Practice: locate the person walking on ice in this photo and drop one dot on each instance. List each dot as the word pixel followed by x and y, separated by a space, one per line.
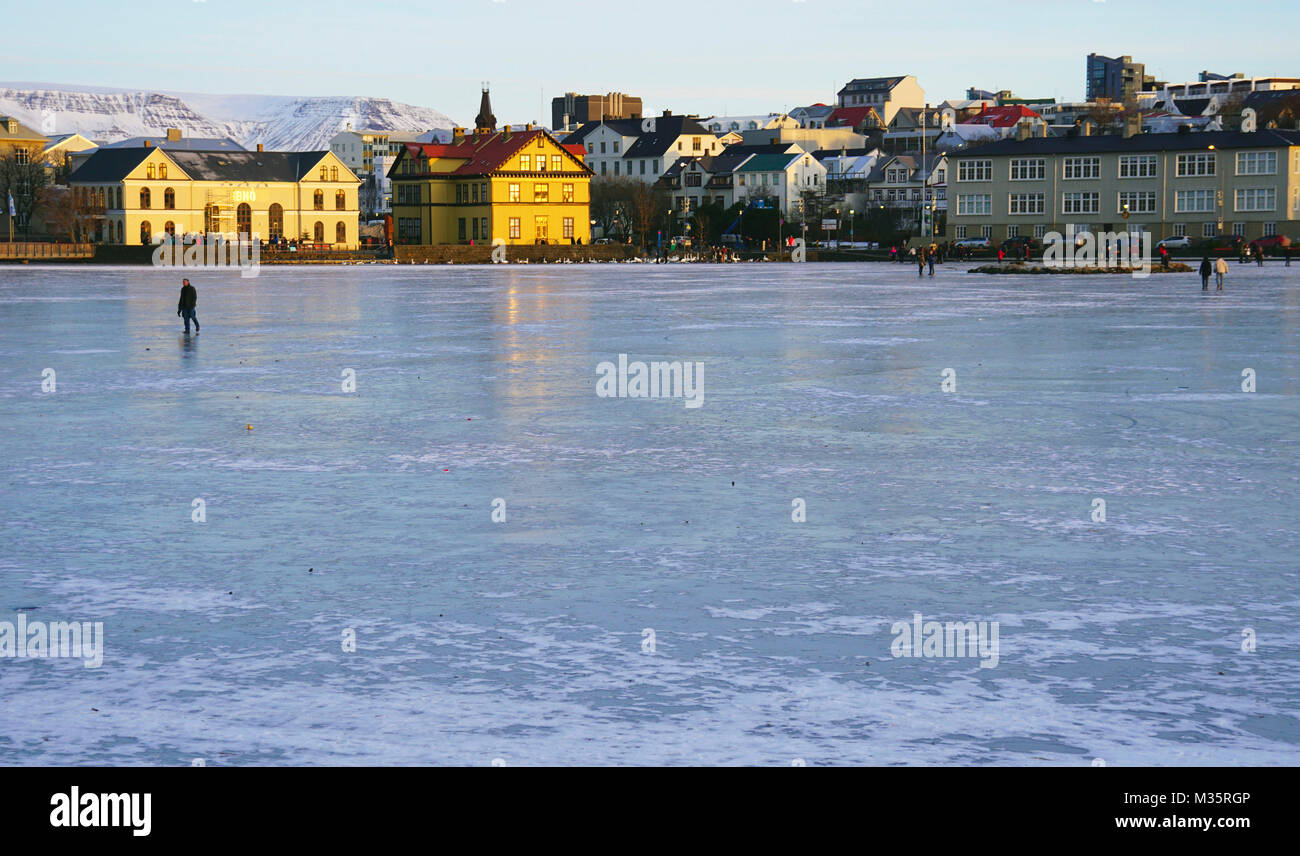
pixel 1220 268
pixel 185 308
pixel 1206 270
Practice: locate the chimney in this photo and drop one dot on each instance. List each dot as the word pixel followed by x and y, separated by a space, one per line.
pixel 259 147
pixel 457 136
pixel 148 143
pixel 173 135
pixel 505 133
pixel 1042 130
pixel 1022 131
pixel 1085 128
pixel 528 127
pixel 667 113
pixel 1132 126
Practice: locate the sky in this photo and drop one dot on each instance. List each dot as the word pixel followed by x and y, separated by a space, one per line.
pixel 708 58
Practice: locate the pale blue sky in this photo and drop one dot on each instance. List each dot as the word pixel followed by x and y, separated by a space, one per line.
pixel 691 57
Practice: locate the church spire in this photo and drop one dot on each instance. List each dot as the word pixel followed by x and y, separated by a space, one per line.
pixel 485 121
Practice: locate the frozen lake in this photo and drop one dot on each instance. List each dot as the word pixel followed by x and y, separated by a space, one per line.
pixel 524 640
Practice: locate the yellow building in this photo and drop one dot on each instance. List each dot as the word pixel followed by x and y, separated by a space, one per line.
pixel 136 195
pixel 24 146
pixel 509 186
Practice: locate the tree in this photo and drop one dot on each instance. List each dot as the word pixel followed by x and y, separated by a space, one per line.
pixel 63 213
pixel 648 203
pixel 22 173
pixel 610 198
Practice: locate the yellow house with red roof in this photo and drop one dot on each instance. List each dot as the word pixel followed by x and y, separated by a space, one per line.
pixel 508 186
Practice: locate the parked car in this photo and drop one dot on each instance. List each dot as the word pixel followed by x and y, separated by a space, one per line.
pixel 1271 244
pixel 1016 246
pixel 1223 245
pixel 975 244
pixel 1175 242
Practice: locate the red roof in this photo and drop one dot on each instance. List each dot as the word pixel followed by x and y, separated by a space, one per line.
pixel 575 149
pixel 848 117
pixel 1006 116
pixel 482 153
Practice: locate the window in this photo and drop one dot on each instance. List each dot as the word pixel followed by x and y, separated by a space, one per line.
pixel 1255 199
pixel 151 171
pixel 340 201
pixel 324 173
pixel 540 227
pixel 169 198
pixel 541 163
pixel 1013 231
pixel 526 161
pixel 986 231
pixel 541 192
pixel 1137 202
pixel 1078 168
pixel 318 232
pixel 276 218
pixel 340 233
pixel 615 167
pixel 144 197
pixel 643 167
pixel 557 163
pixel 1270 229
pixel 615 147
pixel 170 228
pixel 514 193
pixel 1087 202
pixel 655 164
pixel 566 193
pixel 318 200
pixel 1239 229
pixel 974 170
pixel 460 229
pixel 1180 230
pixel 971 204
pixel 334 173
pixel 146 233
pixel 960 232
pixel 1208 230
pixel 474 229
pixel 1028 169
pixel 244 219
pixel 1137 166
pixel 694 179
pixel 1025 203
pixel 1040 230
pixel 568 228
pixel 1193 201
pixel 695 144
pixel 1201 163
pixel 162 170
pixel 514 227
pixel 896 175
pixel 483 191
pixel 1256 163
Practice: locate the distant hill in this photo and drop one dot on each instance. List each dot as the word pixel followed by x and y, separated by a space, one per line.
pixel 278 122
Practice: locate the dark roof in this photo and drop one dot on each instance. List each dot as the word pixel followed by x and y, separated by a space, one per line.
pixel 648 143
pixel 1139 143
pixel 109 165
pixel 823 154
pixel 733 156
pixel 911 161
pixel 1191 106
pixel 871 84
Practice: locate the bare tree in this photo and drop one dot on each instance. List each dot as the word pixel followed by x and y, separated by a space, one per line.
pixel 22 174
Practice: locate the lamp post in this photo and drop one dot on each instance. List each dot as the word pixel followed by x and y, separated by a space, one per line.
pixel 1218 193
pixel 851 228
pixel 839 224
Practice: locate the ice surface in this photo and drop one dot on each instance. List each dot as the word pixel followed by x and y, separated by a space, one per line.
pixel 522 640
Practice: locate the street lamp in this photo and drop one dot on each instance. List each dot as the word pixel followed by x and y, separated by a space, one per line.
pixel 850 227
pixel 1218 193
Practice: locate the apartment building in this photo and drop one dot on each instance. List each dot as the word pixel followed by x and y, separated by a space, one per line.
pixel 1194 184
pixel 885 94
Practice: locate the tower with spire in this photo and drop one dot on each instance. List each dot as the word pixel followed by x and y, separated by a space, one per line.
pixel 485 122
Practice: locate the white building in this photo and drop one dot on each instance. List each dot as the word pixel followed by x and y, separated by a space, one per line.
pixel 885 94
pixel 643 149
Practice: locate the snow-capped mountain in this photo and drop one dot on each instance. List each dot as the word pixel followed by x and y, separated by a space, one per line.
pixel 280 123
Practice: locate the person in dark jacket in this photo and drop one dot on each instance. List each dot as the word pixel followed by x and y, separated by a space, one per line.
pixel 1206 270
pixel 185 308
